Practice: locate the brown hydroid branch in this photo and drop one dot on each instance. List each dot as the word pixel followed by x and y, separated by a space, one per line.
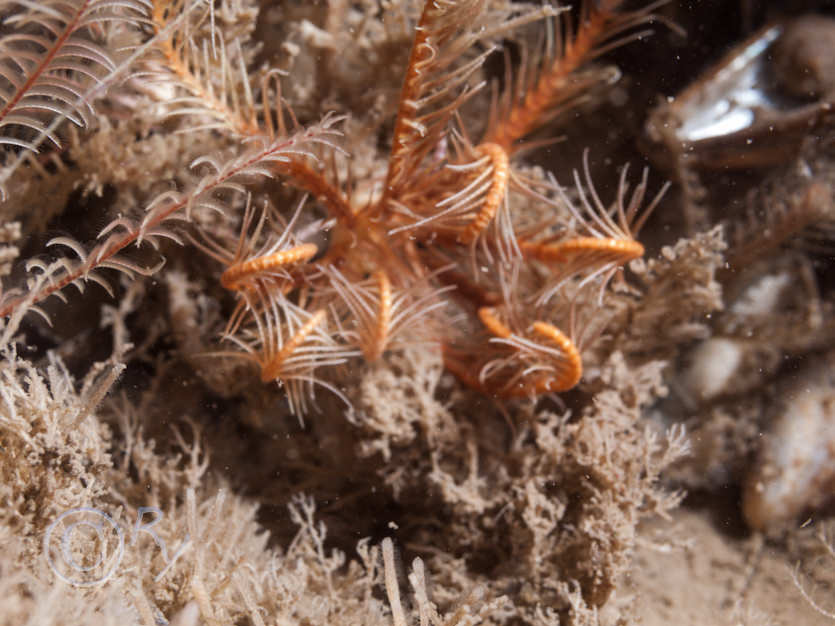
pixel 183 65
pixel 261 161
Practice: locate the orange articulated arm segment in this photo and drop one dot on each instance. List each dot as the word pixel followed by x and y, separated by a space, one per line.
pixel 272 369
pixel 300 175
pixel 607 249
pixel 239 273
pixel 462 371
pixel 538 386
pixel 548 253
pixel 406 130
pixel 431 81
pixel 375 349
pixel 496 194
pixel 487 315
pixel 525 116
pixel 464 286
pixel 571 369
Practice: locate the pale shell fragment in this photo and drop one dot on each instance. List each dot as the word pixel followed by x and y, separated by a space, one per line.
pixel 713 364
pixel 795 470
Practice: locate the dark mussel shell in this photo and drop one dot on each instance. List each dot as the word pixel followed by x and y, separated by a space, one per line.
pixel 756 105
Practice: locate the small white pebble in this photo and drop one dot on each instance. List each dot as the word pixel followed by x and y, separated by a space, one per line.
pixel 713 363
